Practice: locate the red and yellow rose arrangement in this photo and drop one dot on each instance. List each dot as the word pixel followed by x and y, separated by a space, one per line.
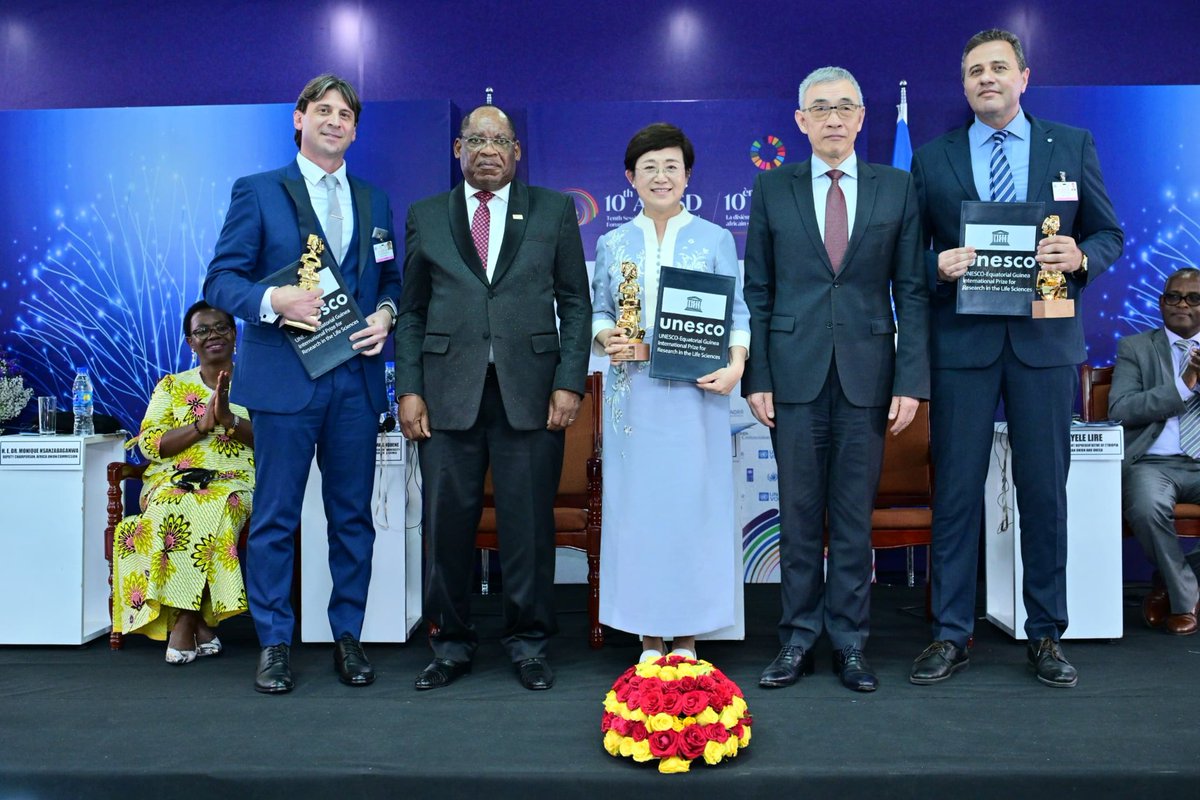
pixel 676 710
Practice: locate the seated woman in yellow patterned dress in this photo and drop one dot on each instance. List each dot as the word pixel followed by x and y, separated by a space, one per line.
pixel 176 572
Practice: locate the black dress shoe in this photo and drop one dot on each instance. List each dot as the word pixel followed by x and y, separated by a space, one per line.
pixel 351 662
pixel 786 669
pixel 441 672
pixel 1047 659
pixel 274 670
pixel 1156 605
pixel 852 667
pixel 535 673
pixel 938 662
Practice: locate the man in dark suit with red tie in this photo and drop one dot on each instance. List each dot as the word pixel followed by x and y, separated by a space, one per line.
pixel 832 242
pixel 1004 155
pixel 491 358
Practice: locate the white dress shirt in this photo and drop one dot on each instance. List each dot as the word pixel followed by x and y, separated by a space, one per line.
pixel 848 182
pixel 498 206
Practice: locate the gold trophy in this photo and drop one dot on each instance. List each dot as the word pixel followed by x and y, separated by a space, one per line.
pixel 306 275
pixel 1052 284
pixel 630 320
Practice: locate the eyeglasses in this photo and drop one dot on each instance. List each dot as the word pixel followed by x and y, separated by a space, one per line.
pixel 204 331
pixel 477 143
pixel 1177 298
pixel 844 110
pixel 670 170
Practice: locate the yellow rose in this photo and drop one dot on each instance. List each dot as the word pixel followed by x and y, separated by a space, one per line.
pixel 730 716
pixel 674 764
pixel 635 716
pixel 739 703
pixel 678 724
pixel 612 742
pixel 641 750
pixel 687 670
pixel 745 735
pixel 648 670
pixel 668 673
pixel 610 702
pixel 713 752
pixel 707 717
pixel 731 746
pixel 661 722
pixel 627 744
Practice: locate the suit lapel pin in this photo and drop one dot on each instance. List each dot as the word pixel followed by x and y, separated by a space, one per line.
pixel 518 216
pixel 1049 139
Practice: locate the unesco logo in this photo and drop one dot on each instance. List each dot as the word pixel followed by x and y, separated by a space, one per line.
pixel 769 155
pixel 586 208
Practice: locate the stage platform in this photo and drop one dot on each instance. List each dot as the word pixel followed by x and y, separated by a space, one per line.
pixel 90 723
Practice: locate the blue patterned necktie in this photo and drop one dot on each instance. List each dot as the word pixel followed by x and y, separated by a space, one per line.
pixel 1189 420
pixel 1000 178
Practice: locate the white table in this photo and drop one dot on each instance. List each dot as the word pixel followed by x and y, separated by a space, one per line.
pixel 53 576
pixel 1094 598
pixel 394 597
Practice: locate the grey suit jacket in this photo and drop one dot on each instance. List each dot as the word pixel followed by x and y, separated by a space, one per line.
pixel 451 315
pixel 803 317
pixel 1143 394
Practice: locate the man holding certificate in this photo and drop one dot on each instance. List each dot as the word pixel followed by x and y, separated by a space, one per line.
pixel 832 242
pixel 273 218
pixel 1004 155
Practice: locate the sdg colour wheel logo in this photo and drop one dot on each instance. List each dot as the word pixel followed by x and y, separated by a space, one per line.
pixel 586 208
pixel 769 155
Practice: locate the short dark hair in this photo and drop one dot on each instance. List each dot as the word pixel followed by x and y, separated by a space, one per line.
pixel 194 309
pixel 316 88
pixel 1182 272
pixel 466 120
pixel 994 35
pixel 659 136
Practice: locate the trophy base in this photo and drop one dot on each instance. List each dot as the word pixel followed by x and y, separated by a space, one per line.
pixel 1053 309
pixel 639 351
pixel 299 326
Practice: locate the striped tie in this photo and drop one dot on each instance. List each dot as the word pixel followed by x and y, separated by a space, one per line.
pixel 1189 420
pixel 1000 177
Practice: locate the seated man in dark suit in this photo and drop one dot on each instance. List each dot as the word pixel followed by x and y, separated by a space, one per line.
pixel 1156 395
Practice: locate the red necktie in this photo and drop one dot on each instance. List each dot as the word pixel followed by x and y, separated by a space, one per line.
pixel 481 225
pixel 837 227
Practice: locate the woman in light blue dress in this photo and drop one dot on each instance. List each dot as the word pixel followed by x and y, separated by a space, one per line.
pixel 670 557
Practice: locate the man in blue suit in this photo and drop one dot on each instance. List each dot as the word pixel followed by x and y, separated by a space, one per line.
pixel 1002 155
pixel 337 414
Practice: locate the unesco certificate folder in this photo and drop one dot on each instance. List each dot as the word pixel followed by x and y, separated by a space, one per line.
pixel 691 331
pixel 1003 276
pixel 329 345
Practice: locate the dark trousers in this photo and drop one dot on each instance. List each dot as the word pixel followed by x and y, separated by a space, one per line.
pixel 829 454
pixel 1038 403
pixel 341 426
pixel 525 471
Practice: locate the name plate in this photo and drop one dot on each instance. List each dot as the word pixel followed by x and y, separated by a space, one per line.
pixel 691 330
pixel 41 453
pixel 1002 278
pixel 1099 443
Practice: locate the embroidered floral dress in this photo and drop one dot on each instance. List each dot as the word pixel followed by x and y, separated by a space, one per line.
pixel 186 537
pixel 670 559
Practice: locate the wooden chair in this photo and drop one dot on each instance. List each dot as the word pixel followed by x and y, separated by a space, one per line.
pixel 577 506
pixel 118 472
pixel 1094 385
pixel 903 515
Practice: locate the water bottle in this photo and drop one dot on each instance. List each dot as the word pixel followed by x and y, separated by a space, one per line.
pixel 81 402
pixel 389 380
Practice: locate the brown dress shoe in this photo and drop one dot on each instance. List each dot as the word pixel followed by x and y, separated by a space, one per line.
pixel 1156 606
pixel 1183 624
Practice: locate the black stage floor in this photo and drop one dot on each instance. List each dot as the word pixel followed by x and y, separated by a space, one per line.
pixel 85 722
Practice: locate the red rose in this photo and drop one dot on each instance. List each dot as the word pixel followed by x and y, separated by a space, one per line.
pixel 736 730
pixel 622 692
pixel 632 699
pixel 717 732
pixel 606 722
pixel 746 720
pixel 686 684
pixel 651 699
pixel 692 741
pixel 705 683
pixel 638 731
pixel 694 702
pixel 664 744
pixel 672 702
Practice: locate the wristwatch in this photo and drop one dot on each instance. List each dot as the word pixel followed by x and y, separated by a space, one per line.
pixel 1083 263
